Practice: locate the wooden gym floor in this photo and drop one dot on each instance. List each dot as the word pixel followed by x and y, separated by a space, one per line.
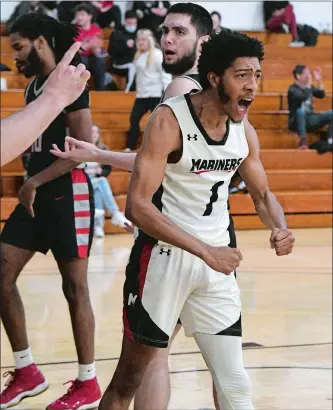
pixel 287 309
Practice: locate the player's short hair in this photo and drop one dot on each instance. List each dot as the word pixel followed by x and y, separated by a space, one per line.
pixel 223 49
pixel 298 70
pixel 200 17
pixel 59 36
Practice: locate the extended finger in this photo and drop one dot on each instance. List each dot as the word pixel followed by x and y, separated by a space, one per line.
pixel 70 53
pixel 73 141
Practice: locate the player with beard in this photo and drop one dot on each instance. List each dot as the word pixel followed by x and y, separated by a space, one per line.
pixel 181 263
pixel 56 213
pixel 184 30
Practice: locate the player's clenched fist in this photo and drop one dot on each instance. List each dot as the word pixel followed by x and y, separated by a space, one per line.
pixel 223 259
pixel 66 82
pixel 282 240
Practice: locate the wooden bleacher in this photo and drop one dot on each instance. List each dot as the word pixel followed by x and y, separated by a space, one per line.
pixel 301 180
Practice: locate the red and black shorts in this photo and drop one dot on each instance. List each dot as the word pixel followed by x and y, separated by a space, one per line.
pixel 63 222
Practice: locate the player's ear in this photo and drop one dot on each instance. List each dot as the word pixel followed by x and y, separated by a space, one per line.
pixel 202 40
pixel 213 79
pixel 40 43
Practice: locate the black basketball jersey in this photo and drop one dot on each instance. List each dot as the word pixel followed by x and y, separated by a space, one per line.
pixel 41 157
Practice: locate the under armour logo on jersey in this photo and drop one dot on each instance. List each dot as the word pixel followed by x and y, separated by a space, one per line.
pixel 163 251
pixel 194 137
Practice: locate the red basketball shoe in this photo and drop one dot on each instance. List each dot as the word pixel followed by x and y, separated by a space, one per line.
pixel 84 395
pixel 26 382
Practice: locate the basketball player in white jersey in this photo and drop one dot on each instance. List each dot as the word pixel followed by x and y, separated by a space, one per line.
pixel 185 28
pixel 181 264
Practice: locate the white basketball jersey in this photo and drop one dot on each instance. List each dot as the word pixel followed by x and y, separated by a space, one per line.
pixel 194 192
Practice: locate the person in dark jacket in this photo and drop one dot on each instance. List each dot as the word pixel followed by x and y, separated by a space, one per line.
pixel 122 47
pixel 302 118
pixel 151 15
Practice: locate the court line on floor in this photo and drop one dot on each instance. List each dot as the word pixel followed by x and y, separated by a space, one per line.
pixel 258 368
pixel 259 347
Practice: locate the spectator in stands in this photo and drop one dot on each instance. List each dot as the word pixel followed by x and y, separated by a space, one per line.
pixel 51 8
pixel 103 196
pixel 279 17
pixel 66 11
pixel 217 20
pixel 151 15
pixel 91 37
pixel 25 7
pixel 300 100
pixel 151 81
pixel 122 48
pixel 108 13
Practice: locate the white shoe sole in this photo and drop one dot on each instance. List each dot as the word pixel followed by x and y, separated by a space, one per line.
pixel 89 406
pixel 32 393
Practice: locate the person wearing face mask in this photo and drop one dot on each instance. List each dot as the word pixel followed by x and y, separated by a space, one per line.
pixel 122 48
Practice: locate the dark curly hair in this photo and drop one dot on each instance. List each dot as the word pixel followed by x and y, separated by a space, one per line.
pixel 223 49
pixel 59 36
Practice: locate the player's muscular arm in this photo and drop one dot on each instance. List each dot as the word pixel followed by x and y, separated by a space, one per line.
pixel 79 123
pixel 161 137
pixel 266 204
pixel 254 176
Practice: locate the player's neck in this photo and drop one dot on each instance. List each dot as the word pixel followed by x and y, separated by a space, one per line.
pixel 209 108
pixel 193 70
pixel 48 67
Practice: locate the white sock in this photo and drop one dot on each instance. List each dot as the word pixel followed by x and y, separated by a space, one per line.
pixel 87 372
pixel 23 358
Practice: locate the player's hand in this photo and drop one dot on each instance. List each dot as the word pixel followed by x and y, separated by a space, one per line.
pixel 129 227
pixel 282 240
pixel 75 150
pixel 26 196
pixel 66 82
pixel 223 259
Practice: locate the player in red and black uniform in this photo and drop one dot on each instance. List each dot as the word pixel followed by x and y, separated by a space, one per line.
pixel 56 213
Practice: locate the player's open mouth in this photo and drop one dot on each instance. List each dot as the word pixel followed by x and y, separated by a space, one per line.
pixel 169 53
pixel 243 105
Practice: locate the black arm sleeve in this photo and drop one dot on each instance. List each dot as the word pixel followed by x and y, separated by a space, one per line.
pixel 318 93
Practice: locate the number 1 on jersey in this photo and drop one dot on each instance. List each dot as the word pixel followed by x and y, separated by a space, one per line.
pixel 213 198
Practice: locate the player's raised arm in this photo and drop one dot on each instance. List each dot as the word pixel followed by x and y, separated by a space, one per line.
pixel 162 136
pixel 63 86
pixel 268 208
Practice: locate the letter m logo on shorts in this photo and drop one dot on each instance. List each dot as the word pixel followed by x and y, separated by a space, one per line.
pixel 131 299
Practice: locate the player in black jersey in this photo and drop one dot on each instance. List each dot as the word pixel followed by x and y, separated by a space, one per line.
pixel 56 213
